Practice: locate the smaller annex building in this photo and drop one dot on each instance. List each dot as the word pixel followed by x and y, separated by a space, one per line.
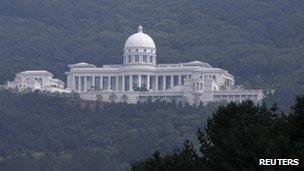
pixel 37 80
pixel 140 78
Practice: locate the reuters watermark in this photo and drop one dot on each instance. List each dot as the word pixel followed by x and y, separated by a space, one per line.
pixel 279 162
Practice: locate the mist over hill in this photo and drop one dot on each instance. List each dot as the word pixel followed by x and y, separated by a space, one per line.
pixel 260 42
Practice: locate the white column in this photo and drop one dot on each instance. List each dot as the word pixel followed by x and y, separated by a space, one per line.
pixel 164 82
pixel 156 82
pixel 148 82
pixel 180 80
pixel 109 82
pixel 131 83
pixel 116 83
pixel 123 83
pixel 79 84
pixel 139 80
pixel 73 84
pixel 93 81
pixel 204 82
pixel 85 83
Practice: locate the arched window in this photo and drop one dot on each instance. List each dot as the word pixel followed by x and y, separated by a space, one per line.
pixel 151 59
pixel 129 58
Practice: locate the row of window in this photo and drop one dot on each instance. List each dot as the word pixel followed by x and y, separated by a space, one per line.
pixel 136 58
pixel 248 96
pixel 161 98
pixel 197 86
pixel 137 50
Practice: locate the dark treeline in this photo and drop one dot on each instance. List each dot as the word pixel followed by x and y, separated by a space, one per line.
pixel 235 138
pixel 260 42
pixel 40 131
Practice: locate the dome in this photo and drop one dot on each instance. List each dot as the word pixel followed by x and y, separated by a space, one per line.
pixel 140 39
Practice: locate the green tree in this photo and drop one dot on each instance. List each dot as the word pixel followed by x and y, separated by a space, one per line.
pixel 112 97
pixel 99 97
pixel 296 127
pixel 124 98
pixel 182 160
pixel 236 137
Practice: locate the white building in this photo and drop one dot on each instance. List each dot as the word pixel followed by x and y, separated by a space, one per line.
pixel 140 78
pixel 36 80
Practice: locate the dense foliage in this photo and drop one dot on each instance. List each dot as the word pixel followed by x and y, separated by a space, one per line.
pixel 236 137
pixel 260 42
pixel 49 132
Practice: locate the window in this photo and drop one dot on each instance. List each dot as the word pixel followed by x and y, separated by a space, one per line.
pixel 145 58
pixel 105 83
pixel 129 50
pixel 145 50
pixel 127 83
pixel 151 50
pixel 113 83
pixel 151 59
pixel 136 58
pixel 175 80
pixel 136 50
pixel 129 58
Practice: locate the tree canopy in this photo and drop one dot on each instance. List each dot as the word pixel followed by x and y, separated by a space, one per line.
pixel 40 131
pixel 236 137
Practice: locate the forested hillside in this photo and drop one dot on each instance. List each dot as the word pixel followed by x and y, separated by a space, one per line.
pixel 260 42
pixel 49 132
pixel 240 137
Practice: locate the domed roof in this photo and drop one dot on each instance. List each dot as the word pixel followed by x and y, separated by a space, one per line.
pixel 140 39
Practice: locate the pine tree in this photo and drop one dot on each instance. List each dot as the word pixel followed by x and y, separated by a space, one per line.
pixel 296 127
